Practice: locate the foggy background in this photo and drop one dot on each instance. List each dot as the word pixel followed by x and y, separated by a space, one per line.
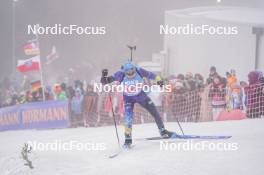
pixel 126 21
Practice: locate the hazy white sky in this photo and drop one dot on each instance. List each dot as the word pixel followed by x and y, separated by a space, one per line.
pixel 127 22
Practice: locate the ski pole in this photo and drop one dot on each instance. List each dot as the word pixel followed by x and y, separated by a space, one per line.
pixel 113 114
pixel 180 126
pixel 177 122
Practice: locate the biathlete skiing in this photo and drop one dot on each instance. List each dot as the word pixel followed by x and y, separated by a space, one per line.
pixel 130 75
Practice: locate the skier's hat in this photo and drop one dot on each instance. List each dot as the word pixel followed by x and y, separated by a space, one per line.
pixel 128 66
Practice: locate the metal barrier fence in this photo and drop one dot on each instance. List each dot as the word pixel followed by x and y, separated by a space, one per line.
pixel 199 105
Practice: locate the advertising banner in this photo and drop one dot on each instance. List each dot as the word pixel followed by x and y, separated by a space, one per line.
pixel 38 115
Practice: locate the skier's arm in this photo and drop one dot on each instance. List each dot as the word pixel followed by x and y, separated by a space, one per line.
pixel 118 76
pixel 150 76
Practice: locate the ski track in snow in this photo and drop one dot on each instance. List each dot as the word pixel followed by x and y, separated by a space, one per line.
pixel 145 158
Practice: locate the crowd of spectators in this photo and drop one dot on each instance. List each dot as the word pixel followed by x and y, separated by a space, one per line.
pixel 224 92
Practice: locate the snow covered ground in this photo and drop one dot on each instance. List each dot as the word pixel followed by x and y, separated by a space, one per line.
pixel 145 158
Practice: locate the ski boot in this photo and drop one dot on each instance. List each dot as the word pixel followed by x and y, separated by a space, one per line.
pixel 167 134
pixel 127 144
pixel 128 137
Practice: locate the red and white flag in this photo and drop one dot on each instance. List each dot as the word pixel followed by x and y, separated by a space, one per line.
pixel 30 64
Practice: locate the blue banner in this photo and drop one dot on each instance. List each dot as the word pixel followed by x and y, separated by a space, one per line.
pixel 38 115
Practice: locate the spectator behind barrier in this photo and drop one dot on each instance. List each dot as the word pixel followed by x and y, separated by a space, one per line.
pixel 199 81
pixel 217 95
pixel 189 81
pixel 234 93
pixel 76 108
pixel 90 107
pixel 212 74
pixel 59 92
pixel 254 95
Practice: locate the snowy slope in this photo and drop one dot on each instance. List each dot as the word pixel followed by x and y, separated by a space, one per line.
pixel 145 158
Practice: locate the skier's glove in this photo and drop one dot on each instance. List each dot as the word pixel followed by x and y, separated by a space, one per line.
pixel 159 80
pixel 160 83
pixel 104 72
pixel 105 79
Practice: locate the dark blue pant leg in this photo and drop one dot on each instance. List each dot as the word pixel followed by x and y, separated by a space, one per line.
pixel 151 108
pixel 128 106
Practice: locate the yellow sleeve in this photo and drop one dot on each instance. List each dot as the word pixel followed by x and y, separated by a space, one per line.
pixel 158 78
